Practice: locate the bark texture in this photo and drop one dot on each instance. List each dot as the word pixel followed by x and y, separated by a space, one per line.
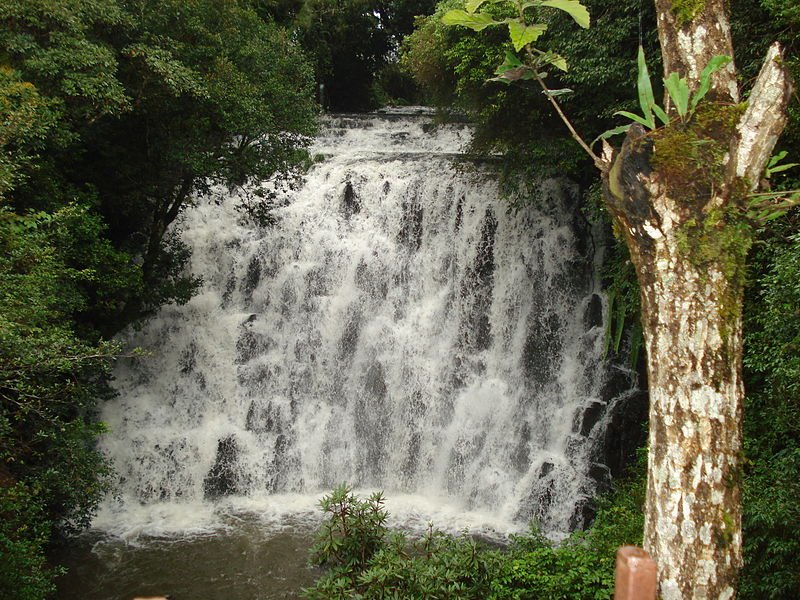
pixel 683 218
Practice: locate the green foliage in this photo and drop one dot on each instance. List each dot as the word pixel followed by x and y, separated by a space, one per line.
pixel 24 532
pixel 353 47
pixel 26 120
pixel 367 560
pixel 50 381
pixel 678 90
pixel 354 532
pixel 114 114
pixel 686 10
pixel 52 43
pixel 522 32
pixel 622 293
pixel 132 108
pixel 772 417
pixel 452 65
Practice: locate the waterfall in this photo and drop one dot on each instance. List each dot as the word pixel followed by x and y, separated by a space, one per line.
pixel 398 327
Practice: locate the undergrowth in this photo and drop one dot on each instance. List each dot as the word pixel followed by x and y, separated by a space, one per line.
pixel 366 559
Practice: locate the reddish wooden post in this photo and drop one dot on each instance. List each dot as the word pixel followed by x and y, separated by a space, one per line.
pixel 635 575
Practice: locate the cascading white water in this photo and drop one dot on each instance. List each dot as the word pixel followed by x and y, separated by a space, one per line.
pixel 397 328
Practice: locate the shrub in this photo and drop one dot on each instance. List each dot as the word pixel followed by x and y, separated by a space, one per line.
pixel 368 560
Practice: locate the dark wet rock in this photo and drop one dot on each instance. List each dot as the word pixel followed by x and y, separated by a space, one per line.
pixel 284 463
pixel 593 316
pixel 224 478
pixel 626 431
pixel 583 515
pixel 589 417
pixel 350 204
pixel 522 453
pixel 459 213
pixel 601 475
pixel 545 469
pixel 477 290
pixel 188 359
pixel 316 284
pixel 370 281
pixel 251 278
pixel 250 344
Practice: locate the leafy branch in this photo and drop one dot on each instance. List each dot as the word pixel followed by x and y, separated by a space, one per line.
pixel 524 31
pixel 768 206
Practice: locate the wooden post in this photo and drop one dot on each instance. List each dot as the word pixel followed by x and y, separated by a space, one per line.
pixel 635 575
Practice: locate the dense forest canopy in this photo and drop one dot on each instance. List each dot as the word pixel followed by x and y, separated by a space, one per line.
pixel 117 113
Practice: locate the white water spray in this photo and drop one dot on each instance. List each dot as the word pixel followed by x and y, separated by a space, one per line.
pixel 397 329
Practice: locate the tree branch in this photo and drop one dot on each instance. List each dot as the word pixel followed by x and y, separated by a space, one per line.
pixel 763 121
pixel 598 162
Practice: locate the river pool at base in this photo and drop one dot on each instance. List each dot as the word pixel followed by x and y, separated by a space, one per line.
pixel 241 563
pixel 241 549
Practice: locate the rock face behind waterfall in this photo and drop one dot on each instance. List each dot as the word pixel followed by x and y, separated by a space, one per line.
pixel 398 329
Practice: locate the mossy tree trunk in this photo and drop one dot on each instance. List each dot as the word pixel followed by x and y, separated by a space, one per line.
pixel 677 196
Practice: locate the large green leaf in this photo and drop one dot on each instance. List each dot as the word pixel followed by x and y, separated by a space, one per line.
pixel 476 22
pixel 645 89
pixel 649 123
pixel 678 90
pixel 611 132
pixel 556 60
pixel 714 65
pixel 522 34
pixel 661 114
pixel 575 9
pixel 473 5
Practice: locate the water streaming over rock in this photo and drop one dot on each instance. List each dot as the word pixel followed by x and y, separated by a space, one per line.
pixel 398 328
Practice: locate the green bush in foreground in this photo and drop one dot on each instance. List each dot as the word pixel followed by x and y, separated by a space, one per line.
pixel 365 559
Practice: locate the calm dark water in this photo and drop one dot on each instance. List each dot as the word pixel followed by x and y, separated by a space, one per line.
pixel 244 563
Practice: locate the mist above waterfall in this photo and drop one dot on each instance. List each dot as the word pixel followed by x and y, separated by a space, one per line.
pixel 398 328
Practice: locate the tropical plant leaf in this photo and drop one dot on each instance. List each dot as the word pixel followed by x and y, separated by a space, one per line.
pixel 513 74
pixel 678 90
pixel 522 35
pixel 645 90
pixel 512 60
pixel 663 117
pixel 611 132
pixel 774 167
pixel 714 65
pixel 573 7
pixel 476 22
pixel 651 124
pixel 561 92
pixel 473 5
pixel 557 61
pixel 776 158
pixel 784 167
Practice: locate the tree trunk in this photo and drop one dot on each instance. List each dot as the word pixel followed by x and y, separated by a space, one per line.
pixel 691 320
pixel 678 197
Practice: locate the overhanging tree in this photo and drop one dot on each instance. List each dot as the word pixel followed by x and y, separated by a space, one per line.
pixel 680 195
